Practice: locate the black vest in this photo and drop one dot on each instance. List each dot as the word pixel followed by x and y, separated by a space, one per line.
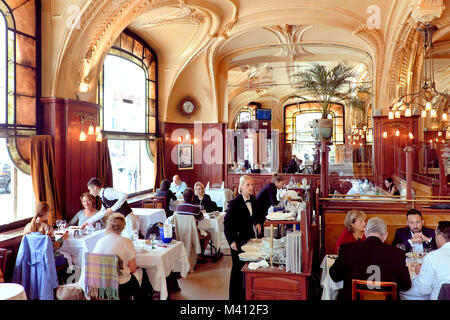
pixel 124 209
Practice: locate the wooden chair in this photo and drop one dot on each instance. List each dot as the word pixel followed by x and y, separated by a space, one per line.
pixel 386 289
pixel 154 202
pixel 3 254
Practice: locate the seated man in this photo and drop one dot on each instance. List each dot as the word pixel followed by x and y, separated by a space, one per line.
pixel 370 260
pixel 415 235
pixel 435 270
pixel 188 207
pixel 178 186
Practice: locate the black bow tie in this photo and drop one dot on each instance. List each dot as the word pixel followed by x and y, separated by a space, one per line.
pixel 248 201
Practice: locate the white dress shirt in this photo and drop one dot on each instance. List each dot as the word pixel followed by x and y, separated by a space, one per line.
pixel 110 194
pixel 178 189
pixel 434 272
pixel 249 204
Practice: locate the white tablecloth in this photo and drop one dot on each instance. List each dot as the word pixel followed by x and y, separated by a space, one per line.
pixel 220 196
pixel 148 217
pixel 331 288
pixel 160 262
pixel 73 248
pixel 12 291
pixel 214 227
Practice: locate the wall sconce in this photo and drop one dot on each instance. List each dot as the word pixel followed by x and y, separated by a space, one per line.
pixel 99 138
pixel 411 136
pixel 385 135
pixel 439 133
pixel 424 114
pixel 444 117
pixel 447 135
pixel 195 140
pixel 397 114
pixel 84 117
pixel 428 106
pixel 397 133
pixel 180 138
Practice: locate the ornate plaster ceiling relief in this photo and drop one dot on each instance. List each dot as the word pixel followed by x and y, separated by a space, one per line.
pixel 425 11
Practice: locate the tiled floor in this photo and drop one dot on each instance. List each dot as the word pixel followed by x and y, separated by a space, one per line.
pixel 209 281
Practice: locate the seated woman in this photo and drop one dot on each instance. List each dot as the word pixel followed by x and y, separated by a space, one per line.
pixel 354 222
pixel 391 188
pixel 188 207
pixel 164 191
pixel 115 244
pixel 39 224
pixel 203 199
pixel 88 202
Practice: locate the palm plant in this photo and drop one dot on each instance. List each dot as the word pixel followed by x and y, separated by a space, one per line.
pixel 330 85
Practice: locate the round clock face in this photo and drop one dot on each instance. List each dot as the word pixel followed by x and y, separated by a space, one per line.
pixel 188 107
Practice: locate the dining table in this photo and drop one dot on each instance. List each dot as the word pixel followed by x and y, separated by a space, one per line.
pixel 12 291
pixel 214 225
pixel 159 260
pixel 220 196
pixel 74 247
pixel 148 217
pixel 331 288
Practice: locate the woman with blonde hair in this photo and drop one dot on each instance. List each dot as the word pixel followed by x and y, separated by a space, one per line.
pixel 115 244
pixel 203 199
pixel 39 223
pixel 88 202
pixel 355 223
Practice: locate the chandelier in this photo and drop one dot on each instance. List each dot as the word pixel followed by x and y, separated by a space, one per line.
pixel 429 101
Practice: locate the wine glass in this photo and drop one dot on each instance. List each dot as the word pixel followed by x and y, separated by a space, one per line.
pixel 58 224
pixel 63 224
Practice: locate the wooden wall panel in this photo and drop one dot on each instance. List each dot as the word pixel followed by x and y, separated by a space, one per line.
pixel 211 140
pixel 75 161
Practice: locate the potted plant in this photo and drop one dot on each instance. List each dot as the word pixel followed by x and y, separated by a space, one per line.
pixel 328 86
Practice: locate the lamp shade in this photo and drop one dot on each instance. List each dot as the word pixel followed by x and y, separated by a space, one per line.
pixel 397 133
pixel 82 135
pixel 385 135
pixel 391 115
pixel 397 114
pixel 433 113
pixel 408 112
pixel 424 114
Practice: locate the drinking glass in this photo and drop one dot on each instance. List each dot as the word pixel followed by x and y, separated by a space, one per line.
pixel 152 240
pixel 63 224
pixel 58 224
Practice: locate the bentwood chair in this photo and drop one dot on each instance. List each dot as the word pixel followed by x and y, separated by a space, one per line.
pixel 3 253
pixel 378 290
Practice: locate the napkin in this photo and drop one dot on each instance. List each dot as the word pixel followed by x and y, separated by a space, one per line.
pixel 207 186
pixel 167 230
pixel 256 265
pixel 223 185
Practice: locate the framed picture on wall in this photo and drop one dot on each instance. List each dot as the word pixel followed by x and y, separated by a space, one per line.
pixel 185 157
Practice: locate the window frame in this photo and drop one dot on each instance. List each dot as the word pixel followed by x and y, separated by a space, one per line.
pixel 120 135
pixel 10 130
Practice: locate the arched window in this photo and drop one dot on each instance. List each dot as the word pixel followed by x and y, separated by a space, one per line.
pixel 18 104
pixel 127 93
pixel 245 114
pixel 298 128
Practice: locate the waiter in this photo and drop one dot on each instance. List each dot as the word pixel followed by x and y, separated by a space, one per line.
pixel 113 201
pixel 241 222
pixel 267 196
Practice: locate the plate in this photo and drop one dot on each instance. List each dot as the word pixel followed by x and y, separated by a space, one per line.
pixel 249 248
pixel 250 256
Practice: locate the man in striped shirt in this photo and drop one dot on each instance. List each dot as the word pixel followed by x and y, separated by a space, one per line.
pixel 188 207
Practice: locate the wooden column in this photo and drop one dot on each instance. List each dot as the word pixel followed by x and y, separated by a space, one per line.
pixel 324 168
pixel 409 163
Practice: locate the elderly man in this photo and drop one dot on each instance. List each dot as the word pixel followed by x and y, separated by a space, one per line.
pixel 435 270
pixel 415 235
pixel 178 186
pixel 370 260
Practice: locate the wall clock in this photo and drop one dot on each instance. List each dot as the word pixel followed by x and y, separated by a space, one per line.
pixel 188 106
